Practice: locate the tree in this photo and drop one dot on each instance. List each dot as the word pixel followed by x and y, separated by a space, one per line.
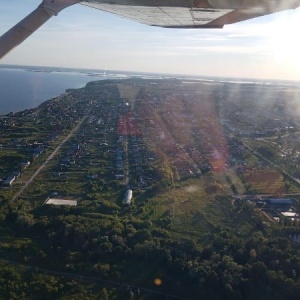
pixel 104 294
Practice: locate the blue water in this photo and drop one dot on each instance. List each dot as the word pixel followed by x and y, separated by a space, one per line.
pixel 21 89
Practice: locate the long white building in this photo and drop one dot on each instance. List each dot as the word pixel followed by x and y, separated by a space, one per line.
pixel 128 197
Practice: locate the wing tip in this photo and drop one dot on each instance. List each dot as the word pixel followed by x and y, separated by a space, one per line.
pixel 192 26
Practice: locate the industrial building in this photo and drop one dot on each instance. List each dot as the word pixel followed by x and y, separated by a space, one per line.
pixel 55 201
pixel 280 201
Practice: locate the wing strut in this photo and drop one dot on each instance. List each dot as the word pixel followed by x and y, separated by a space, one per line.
pixel 20 32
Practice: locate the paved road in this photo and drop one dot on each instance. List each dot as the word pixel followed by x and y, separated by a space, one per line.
pixel 22 189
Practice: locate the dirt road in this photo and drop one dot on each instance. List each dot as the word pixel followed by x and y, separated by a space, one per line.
pixel 50 157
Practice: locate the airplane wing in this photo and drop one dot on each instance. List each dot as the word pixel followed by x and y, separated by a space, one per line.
pixel 191 13
pixel 163 13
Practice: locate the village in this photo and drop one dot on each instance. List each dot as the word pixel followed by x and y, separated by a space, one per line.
pixel 132 137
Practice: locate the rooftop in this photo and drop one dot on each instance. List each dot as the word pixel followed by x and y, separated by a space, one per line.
pixel 61 202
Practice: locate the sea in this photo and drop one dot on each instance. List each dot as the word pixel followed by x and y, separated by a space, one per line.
pixel 23 88
pixel 27 87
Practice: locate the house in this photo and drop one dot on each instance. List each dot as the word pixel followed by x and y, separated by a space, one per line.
pixel 16 173
pixel 9 180
pixel 25 164
pixel 92 177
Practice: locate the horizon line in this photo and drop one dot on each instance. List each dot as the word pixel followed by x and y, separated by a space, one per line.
pixel 146 72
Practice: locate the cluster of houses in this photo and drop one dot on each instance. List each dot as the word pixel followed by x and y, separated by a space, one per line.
pixel 37 151
pixel 119 156
pixel 11 178
pixel 72 153
pixel 131 144
pixel 136 156
pixel 253 117
pixel 187 132
pixel 32 151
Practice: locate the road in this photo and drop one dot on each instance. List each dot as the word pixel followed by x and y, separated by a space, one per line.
pixel 50 157
pixel 126 181
pixel 198 171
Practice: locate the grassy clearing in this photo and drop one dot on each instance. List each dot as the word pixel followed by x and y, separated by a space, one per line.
pixel 266 181
pixel 236 181
pixel 192 211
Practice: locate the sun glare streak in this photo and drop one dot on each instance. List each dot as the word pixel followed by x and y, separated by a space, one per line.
pixel 284 42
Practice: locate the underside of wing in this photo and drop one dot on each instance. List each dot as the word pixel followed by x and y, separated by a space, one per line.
pixel 191 13
pixel 163 13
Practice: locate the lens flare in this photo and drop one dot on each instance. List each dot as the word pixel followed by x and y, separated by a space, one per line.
pixel 157 281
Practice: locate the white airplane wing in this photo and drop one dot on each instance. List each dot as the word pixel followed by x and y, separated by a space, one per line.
pixel 163 13
pixel 191 13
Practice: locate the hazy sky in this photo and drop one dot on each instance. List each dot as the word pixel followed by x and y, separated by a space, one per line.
pixel 82 37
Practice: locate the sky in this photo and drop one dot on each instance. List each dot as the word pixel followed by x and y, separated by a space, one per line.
pixel 83 37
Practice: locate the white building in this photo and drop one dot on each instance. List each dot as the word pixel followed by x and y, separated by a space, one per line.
pixel 55 201
pixel 128 197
